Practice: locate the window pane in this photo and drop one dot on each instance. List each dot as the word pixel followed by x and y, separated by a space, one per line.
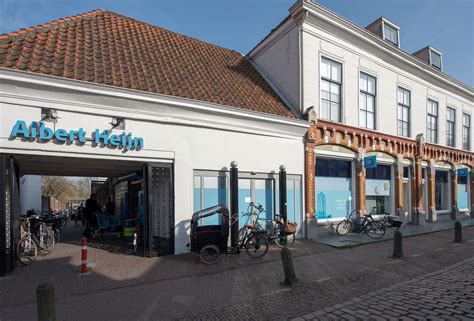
pixel 371 85
pixel 324 109
pixel 390 34
pixel 197 194
pixel 370 121
pixel 336 71
pixel 325 68
pixel 400 113
pixel 363 101
pixel 405 114
pixel 466 120
pixel 362 119
pixel 324 89
pixel 406 97
pixel 363 82
pixel 435 60
pixel 370 103
pixel 400 96
pixel 335 112
pixel 334 92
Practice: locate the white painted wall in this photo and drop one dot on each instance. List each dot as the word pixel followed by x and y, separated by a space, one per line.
pixel 190 134
pixel 326 34
pixel 30 193
pixel 356 57
pixel 279 62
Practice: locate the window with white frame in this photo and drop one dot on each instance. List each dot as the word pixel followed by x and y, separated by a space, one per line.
pixel 450 126
pixel 404 101
pixel 331 83
pixel 466 131
pixel 435 60
pixel 390 34
pixel 367 95
pixel 432 122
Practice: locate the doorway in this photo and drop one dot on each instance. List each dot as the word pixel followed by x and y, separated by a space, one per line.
pixel 147 195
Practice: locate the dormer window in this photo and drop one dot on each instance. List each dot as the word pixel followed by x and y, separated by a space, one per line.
pixel 430 56
pixel 435 60
pixel 390 34
pixel 387 30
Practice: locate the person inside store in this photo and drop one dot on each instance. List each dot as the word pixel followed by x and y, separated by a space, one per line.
pixel 90 212
pixel 110 207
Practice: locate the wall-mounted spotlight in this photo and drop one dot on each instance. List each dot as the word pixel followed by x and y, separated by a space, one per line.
pixel 118 122
pixel 48 114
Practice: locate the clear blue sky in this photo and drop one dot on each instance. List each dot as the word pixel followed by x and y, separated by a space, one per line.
pixel 447 25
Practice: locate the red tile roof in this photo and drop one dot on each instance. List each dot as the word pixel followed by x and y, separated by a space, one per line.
pixel 107 48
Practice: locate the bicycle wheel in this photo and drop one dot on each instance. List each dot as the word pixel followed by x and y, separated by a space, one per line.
pixel 344 227
pixel 209 254
pixel 256 245
pixel 287 241
pixel 26 251
pixel 375 230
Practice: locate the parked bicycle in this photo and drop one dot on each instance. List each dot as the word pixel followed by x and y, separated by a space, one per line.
pixel 210 240
pixel 35 236
pixel 277 233
pixel 354 222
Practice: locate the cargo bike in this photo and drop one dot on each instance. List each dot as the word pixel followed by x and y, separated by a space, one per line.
pixel 210 236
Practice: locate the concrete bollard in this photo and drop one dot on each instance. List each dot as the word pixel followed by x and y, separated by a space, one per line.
pixel 457 232
pixel 288 269
pixel 45 302
pixel 397 245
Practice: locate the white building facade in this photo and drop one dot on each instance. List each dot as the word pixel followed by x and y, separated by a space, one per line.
pixel 370 98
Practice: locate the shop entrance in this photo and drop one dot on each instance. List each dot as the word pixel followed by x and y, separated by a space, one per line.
pixel 146 196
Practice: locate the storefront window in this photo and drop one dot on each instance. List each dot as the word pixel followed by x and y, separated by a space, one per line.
pixel 442 190
pixel 293 200
pixel 463 193
pixel 378 189
pixel 265 196
pixel 209 191
pixel 333 188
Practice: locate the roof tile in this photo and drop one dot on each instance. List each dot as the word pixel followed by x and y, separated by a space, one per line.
pixel 108 48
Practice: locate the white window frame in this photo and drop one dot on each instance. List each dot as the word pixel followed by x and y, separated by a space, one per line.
pixel 394 27
pixel 448 122
pixel 361 91
pixel 440 55
pixel 469 138
pixel 409 111
pixel 436 138
pixel 341 94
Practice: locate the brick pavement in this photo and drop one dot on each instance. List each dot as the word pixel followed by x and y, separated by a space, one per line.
pixel 131 288
pixel 447 294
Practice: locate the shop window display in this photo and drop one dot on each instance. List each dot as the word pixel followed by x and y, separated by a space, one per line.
pixel 333 188
pixel 463 193
pixel 378 189
pixel 442 190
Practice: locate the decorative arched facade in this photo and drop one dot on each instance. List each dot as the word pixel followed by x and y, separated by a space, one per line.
pixel 414 167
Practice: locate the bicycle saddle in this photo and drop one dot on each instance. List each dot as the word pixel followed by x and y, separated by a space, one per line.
pixel 249 225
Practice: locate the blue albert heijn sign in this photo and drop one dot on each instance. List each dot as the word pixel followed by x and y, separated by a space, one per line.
pixel 39 132
pixel 463 172
pixel 370 162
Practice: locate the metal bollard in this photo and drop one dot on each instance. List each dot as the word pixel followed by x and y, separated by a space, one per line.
pixel 397 245
pixel 288 269
pixel 84 255
pixel 457 232
pixel 45 302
